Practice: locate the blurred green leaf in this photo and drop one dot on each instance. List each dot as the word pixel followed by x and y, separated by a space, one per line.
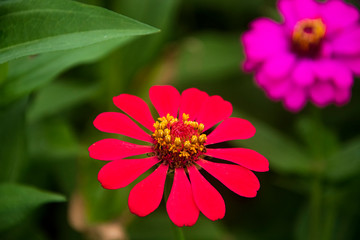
pixel 57 96
pixel 3 72
pixel 52 139
pixel 208 57
pixel 17 201
pixel 158 226
pixel 12 140
pixel 37 26
pixel 133 63
pixel 30 73
pixel 284 155
pixel 345 163
pixel 321 142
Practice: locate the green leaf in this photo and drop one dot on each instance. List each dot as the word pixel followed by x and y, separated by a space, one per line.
pixel 17 201
pixel 30 73
pixel 345 163
pixel 52 139
pixel 3 72
pixel 284 155
pixel 12 140
pixel 320 141
pixel 51 100
pixel 30 27
pixel 208 56
pixel 157 226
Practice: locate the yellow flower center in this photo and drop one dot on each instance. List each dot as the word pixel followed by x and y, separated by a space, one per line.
pixel 178 143
pixel 307 36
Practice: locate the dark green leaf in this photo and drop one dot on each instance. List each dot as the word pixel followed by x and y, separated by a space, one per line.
pixel 52 139
pixel 158 226
pixel 284 155
pixel 30 27
pixel 17 201
pixel 3 72
pixel 320 141
pixel 12 140
pixel 208 57
pixel 30 73
pixel 345 163
pixel 57 96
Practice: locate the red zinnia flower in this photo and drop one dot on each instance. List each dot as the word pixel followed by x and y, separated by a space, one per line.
pixel 179 145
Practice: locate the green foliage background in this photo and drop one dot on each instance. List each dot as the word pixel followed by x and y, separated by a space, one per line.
pixel 62 61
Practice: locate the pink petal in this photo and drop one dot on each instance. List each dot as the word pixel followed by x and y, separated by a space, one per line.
pixel 264 33
pixel 146 196
pixel 166 100
pixel 353 63
pixel 342 76
pixel 245 157
pixel 209 201
pixel 231 129
pixel 336 71
pixel 323 69
pixel 287 10
pixel 120 173
pixel 238 179
pixel 136 108
pixel 112 149
pixel 322 94
pixel 295 10
pixel 180 205
pixel 192 101
pixel 303 74
pixel 114 122
pixel 306 8
pixel 279 65
pixel 342 96
pixel 277 91
pixel 295 99
pixel 338 15
pixel 347 43
pixel 214 110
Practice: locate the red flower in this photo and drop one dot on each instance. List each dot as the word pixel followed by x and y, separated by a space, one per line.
pixel 179 145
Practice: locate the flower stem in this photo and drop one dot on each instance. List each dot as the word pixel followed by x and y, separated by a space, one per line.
pixel 179 233
pixel 315 209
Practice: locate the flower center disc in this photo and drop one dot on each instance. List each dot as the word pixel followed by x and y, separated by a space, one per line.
pixel 307 36
pixel 178 143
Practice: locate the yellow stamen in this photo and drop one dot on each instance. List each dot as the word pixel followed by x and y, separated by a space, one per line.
pixel 308 34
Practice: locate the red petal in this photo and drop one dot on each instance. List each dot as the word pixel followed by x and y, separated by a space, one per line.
pixel 238 179
pixel 120 173
pixel 245 157
pixel 146 196
pixel 114 122
pixel 209 201
pixel 192 100
pixel 231 129
pixel 166 99
pixel 112 149
pixel 181 206
pixel 214 110
pixel 136 108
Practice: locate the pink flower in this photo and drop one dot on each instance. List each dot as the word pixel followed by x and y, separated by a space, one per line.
pixel 179 145
pixel 312 55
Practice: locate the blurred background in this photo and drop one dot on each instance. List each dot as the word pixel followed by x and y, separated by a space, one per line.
pixel 312 188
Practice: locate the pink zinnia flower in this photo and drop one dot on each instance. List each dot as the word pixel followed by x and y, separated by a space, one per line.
pixel 179 145
pixel 312 55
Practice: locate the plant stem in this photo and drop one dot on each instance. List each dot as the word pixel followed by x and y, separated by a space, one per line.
pixel 179 233
pixel 315 209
